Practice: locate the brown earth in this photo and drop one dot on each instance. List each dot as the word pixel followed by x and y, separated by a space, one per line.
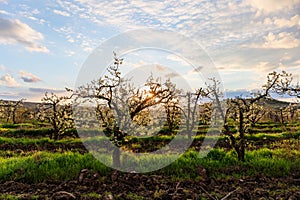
pixel 118 185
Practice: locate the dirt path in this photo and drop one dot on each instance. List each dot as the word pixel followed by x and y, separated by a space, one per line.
pixel 90 185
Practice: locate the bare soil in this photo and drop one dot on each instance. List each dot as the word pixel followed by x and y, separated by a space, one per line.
pixel 90 185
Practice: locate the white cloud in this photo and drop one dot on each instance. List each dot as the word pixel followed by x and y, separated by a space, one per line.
pixel 28 77
pixel 283 40
pixel 129 64
pixel 14 31
pixel 177 59
pixel 30 94
pixel 160 68
pixel 43 90
pixel 293 21
pixel 282 22
pixel 133 14
pixel 70 6
pixel 9 81
pixel 297 62
pixel 270 6
pixel 197 19
pixel 8 95
pixel 62 13
pixel 70 39
pixel 35 12
pixel 69 53
pixel 3 12
pixel 214 24
pixel 222 27
pixel 265 66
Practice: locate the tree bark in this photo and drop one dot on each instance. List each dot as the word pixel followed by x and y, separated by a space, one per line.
pixel 241 153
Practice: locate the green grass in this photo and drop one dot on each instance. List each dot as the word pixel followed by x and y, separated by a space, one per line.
pixel 93 195
pixel 66 166
pixel 16 197
pixel 9 197
pixel 219 163
pixel 48 166
pixel 133 196
pixel 36 141
pixel 264 136
pixel 272 163
pixel 40 166
pixel 19 125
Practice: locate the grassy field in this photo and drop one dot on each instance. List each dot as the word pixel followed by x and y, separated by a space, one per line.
pixel 28 156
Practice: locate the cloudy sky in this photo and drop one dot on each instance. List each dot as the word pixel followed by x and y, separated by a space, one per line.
pixel 43 44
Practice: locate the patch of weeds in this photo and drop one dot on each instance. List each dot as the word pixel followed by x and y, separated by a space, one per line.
pixel 8 197
pixel 217 195
pixel 34 197
pixel 133 196
pixel 136 146
pixel 93 195
pixel 158 194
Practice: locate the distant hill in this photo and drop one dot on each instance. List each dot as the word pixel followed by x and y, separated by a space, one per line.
pixel 273 103
pixel 276 104
pixel 30 105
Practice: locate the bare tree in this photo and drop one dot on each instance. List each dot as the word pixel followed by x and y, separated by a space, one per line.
pixel 291 111
pixel 9 110
pixel 205 112
pixel 173 115
pixel 286 86
pixel 57 110
pixel 240 109
pixel 4 110
pixel 257 112
pixel 14 109
pixel 121 107
pixel 191 112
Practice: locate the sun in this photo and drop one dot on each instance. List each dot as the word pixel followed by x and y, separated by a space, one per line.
pixel 150 95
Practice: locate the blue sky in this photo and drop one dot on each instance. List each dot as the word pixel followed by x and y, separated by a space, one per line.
pixel 43 44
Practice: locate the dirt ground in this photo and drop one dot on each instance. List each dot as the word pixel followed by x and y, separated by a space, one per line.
pixel 119 185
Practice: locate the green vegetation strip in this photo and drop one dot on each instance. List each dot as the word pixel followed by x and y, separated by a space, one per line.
pixel 264 136
pixel 36 141
pixel 48 166
pixel 43 166
pixel 46 140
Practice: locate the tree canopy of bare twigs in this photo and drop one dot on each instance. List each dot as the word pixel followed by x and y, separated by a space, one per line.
pixel 57 110
pixel 244 110
pixel 10 109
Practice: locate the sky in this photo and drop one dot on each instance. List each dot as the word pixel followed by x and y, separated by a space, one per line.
pixel 44 44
